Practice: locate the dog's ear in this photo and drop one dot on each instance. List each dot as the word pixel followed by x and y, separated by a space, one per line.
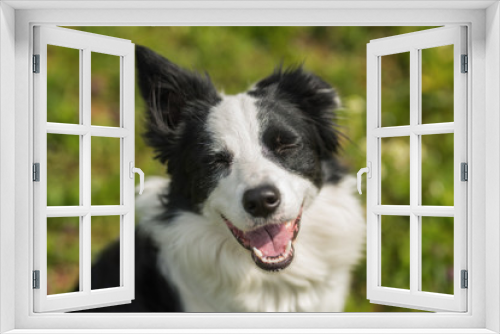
pixel 314 97
pixel 171 94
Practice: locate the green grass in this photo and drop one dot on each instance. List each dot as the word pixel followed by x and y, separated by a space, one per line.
pixel 235 58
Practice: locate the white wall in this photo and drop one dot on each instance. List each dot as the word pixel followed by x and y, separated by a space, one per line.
pixel 7 163
pixel 492 164
pixel 184 16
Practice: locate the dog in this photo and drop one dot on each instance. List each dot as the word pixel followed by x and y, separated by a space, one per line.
pixel 258 215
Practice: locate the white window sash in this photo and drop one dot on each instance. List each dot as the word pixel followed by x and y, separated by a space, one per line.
pixel 85 43
pixel 415 297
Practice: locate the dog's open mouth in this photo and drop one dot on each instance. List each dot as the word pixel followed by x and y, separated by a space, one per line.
pixel 271 245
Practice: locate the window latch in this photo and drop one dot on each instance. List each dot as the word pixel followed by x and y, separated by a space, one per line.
pixel 133 170
pixel 368 171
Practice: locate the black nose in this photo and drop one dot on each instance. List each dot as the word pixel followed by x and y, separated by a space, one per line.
pixel 261 201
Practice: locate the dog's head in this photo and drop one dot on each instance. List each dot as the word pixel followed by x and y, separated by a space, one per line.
pixel 253 161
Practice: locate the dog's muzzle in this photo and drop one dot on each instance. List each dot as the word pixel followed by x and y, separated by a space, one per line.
pixel 271 245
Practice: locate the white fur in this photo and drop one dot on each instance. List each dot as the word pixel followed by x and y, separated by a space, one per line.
pixel 213 273
pixel 234 127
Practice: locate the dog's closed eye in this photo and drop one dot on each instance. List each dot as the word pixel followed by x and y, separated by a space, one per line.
pixel 282 142
pixel 221 159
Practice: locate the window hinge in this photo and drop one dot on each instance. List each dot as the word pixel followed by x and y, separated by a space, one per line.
pixel 465 64
pixel 464 171
pixel 36 63
pixel 36 172
pixel 465 279
pixel 36 279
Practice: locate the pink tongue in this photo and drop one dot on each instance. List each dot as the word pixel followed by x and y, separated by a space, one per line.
pixel 271 240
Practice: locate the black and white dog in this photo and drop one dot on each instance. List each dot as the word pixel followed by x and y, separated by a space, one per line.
pixel 258 214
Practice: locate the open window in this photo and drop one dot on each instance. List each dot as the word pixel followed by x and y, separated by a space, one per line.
pixel 16 162
pixel 396 153
pixel 86 134
pixel 427 128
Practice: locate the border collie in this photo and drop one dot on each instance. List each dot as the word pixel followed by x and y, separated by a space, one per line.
pixel 258 214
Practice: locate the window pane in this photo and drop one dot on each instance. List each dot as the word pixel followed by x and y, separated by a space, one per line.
pixel 105 243
pixel 395 235
pixel 63 253
pixel 105 89
pixel 63 85
pixel 437 254
pixel 437 84
pixel 63 170
pixel 437 169
pixel 105 171
pixel 395 89
pixel 395 170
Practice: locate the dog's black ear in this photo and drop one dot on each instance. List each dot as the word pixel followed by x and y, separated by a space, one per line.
pixel 313 96
pixel 171 94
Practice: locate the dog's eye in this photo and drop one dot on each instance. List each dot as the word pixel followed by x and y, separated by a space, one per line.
pixel 222 159
pixel 285 143
pixel 281 141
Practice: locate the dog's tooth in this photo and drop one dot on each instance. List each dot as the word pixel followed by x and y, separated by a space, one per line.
pixel 288 247
pixel 257 252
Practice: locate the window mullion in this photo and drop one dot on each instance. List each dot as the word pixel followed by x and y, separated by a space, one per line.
pixel 127 155
pixel 414 171
pixel 85 166
pixel 81 276
pixel 123 175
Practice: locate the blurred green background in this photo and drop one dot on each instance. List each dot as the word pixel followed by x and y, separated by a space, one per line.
pixel 235 58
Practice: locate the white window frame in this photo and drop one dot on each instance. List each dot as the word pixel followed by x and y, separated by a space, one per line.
pixel 16 214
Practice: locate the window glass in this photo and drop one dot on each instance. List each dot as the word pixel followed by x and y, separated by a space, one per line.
pixel 395 240
pixel 437 84
pixel 63 84
pixel 105 89
pixel 437 169
pixel 63 170
pixel 105 171
pixel 395 89
pixel 395 170
pixel 437 254
pixel 63 254
pixel 105 243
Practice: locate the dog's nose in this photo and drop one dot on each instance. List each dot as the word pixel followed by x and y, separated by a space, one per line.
pixel 261 201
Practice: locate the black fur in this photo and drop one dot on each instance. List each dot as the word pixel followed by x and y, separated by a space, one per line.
pixel 152 292
pixel 312 96
pixel 173 96
pixel 178 103
pixel 300 107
